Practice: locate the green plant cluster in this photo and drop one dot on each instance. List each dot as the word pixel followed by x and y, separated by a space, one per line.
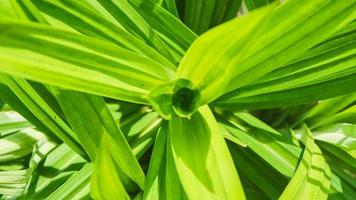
pixel 177 99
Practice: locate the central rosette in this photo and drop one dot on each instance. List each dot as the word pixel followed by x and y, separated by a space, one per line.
pixel 185 99
pixel 179 97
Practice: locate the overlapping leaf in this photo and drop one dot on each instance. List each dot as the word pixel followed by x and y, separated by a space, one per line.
pixel 50 60
pixel 106 171
pixel 201 15
pixel 239 52
pixel 82 16
pixel 269 144
pixel 197 147
pixel 311 179
pixel 57 168
pixel 162 179
pixel 81 110
pixel 26 99
pixel 321 68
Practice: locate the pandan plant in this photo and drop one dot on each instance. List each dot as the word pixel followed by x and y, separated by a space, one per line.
pixel 177 99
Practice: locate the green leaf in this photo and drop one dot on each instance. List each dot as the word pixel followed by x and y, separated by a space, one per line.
pixel 105 171
pixel 173 31
pixel 18 144
pixel 155 185
pixel 346 116
pixel 292 97
pixel 332 51
pixel 16 103
pixel 58 166
pixel 76 187
pixel 226 58
pixel 227 135
pixel 340 135
pixel 340 162
pixel 136 25
pixel 170 5
pixel 328 107
pixel 253 4
pixel 14 182
pixel 208 75
pixel 11 121
pixel 273 148
pixel 112 71
pixel 225 10
pixel 258 172
pixel 329 61
pixel 40 151
pixel 2 104
pixel 27 10
pixel 201 15
pixel 43 112
pixel 84 18
pixel 288 40
pixel 276 153
pixel 162 179
pixel 197 146
pixel 311 179
pixel 322 73
pixel 82 109
pixel 143 124
pixel 80 112
pixel 6 11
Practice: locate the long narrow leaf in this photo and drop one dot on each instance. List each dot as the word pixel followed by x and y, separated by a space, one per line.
pixel 268 41
pixel 197 146
pixel 109 80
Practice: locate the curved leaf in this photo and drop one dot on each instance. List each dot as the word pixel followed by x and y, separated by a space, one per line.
pixel 226 58
pixel 85 19
pixel 311 179
pixel 112 71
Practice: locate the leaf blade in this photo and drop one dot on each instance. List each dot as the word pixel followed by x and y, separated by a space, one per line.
pixel 199 170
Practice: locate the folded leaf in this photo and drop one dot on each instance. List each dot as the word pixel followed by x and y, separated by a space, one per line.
pixel 197 146
pixel 311 179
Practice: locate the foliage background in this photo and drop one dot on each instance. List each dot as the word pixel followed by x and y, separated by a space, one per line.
pixel 165 99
